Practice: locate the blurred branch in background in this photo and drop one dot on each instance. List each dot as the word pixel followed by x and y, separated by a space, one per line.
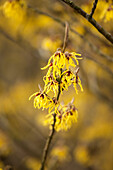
pixel 94 48
pixel 106 34
pixel 35 53
pixel 22 43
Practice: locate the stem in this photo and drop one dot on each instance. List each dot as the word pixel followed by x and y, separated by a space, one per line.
pixel 66 37
pixel 77 9
pixel 46 149
pixel 48 142
pixel 50 137
pixel 93 9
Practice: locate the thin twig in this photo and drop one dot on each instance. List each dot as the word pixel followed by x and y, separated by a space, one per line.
pixel 66 37
pixel 93 9
pixel 47 146
pixel 77 9
pixel 50 137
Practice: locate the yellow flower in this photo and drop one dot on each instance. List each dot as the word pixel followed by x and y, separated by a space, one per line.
pixel 50 85
pixel 67 79
pixel 58 78
pixel 69 57
pixel 60 61
pixel 70 78
pixel 65 116
pixel 78 81
pixel 42 100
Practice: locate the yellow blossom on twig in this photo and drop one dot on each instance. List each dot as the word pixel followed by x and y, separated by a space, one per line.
pixel 58 78
pixel 65 116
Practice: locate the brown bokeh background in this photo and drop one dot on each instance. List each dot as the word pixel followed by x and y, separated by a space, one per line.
pixel 24 49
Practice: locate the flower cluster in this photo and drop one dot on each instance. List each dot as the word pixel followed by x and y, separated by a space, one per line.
pixel 65 115
pixel 59 69
pixel 59 77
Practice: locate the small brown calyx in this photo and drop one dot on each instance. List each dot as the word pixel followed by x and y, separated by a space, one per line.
pixel 51 64
pixel 58 79
pixel 67 55
pixel 77 79
pixel 67 113
pixel 42 95
pixel 57 53
pixel 55 100
pixel 68 73
pixel 71 113
pixel 38 94
pixel 65 80
pixel 50 77
pixel 59 49
pixel 60 117
pixel 110 8
pixel 52 83
pixel 74 108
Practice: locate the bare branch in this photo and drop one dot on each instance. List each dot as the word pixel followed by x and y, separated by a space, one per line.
pixel 77 9
pixel 47 146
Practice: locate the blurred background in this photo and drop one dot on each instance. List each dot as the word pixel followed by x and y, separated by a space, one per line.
pixel 28 37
